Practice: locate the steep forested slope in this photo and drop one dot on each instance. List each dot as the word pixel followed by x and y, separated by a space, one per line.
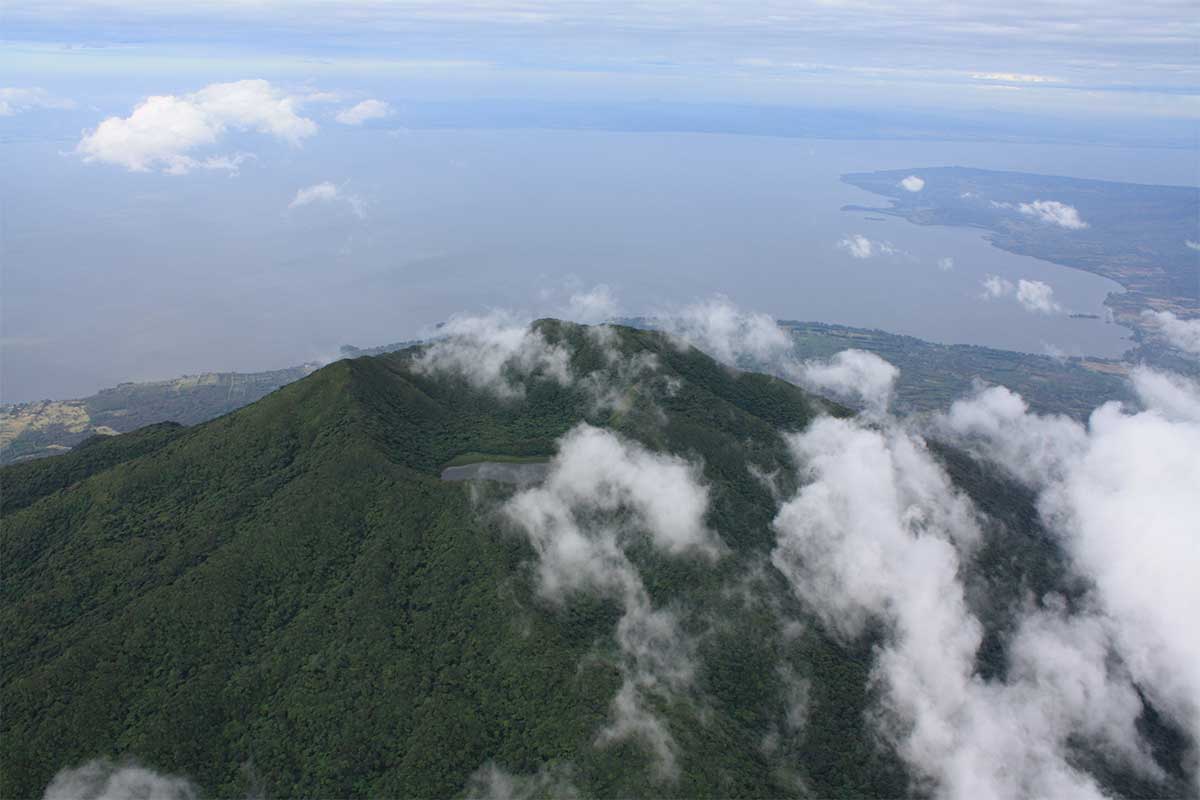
pixel 289 600
pixel 290 595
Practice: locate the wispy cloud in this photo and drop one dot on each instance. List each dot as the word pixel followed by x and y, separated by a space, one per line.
pixel 853 375
pixel 105 780
pixel 327 192
pixel 573 521
pixel 727 333
pixel 1034 296
pixel 1013 77
pixel 496 352
pixel 859 246
pixel 1181 333
pixel 1053 212
pixel 364 111
pixel 16 100
pixel 597 304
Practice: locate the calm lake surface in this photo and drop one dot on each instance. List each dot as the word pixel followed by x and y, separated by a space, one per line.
pixel 112 276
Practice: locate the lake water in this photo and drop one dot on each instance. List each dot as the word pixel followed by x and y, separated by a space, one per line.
pixel 499 471
pixel 112 276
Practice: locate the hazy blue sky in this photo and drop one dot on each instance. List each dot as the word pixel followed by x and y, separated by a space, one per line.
pixel 1088 57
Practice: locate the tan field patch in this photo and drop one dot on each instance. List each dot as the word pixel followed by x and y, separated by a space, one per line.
pixel 15 420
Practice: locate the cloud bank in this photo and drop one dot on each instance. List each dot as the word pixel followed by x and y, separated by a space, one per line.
pixel 163 131
pixel 879 535
pixel 1121 493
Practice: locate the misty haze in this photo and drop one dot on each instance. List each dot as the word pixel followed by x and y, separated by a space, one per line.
pixel 560 399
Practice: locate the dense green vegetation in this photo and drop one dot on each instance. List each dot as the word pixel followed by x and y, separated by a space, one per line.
pixel 28 482
pixel 129 406
pixel 932 376
pixel 288 597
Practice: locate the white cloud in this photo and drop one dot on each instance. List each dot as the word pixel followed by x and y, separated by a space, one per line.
pixel 327 192
pixel 728 334
pixel 1192 245
pixel 1181 333
pixel 598 304
pixel 1013 77
pixel 163 131
pixel 1121 495
pixel 853 375
pixel 879 535
pixel 945 264
pixel 502 351
pixel 995 286
pixel 1034 296
pixel 324 192
pixel 1171 396
pixel 601 495
pixel 17 100
pixel 1037 296
pixel 859 246
pixel 103 780
pixel 497 352
pixel 364 111
pixel 1053 212
pixel 913 184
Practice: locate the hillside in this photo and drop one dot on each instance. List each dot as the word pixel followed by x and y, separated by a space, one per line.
pixel 289 601
pixel 932 375
pixel 49 427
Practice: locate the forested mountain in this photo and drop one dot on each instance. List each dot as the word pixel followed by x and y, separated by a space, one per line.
pixel 289 601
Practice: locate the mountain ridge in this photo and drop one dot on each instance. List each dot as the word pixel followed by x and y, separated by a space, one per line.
pixel 289 597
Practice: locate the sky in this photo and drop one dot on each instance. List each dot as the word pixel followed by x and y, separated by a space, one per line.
pixel 1059 57
pixel 212 186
